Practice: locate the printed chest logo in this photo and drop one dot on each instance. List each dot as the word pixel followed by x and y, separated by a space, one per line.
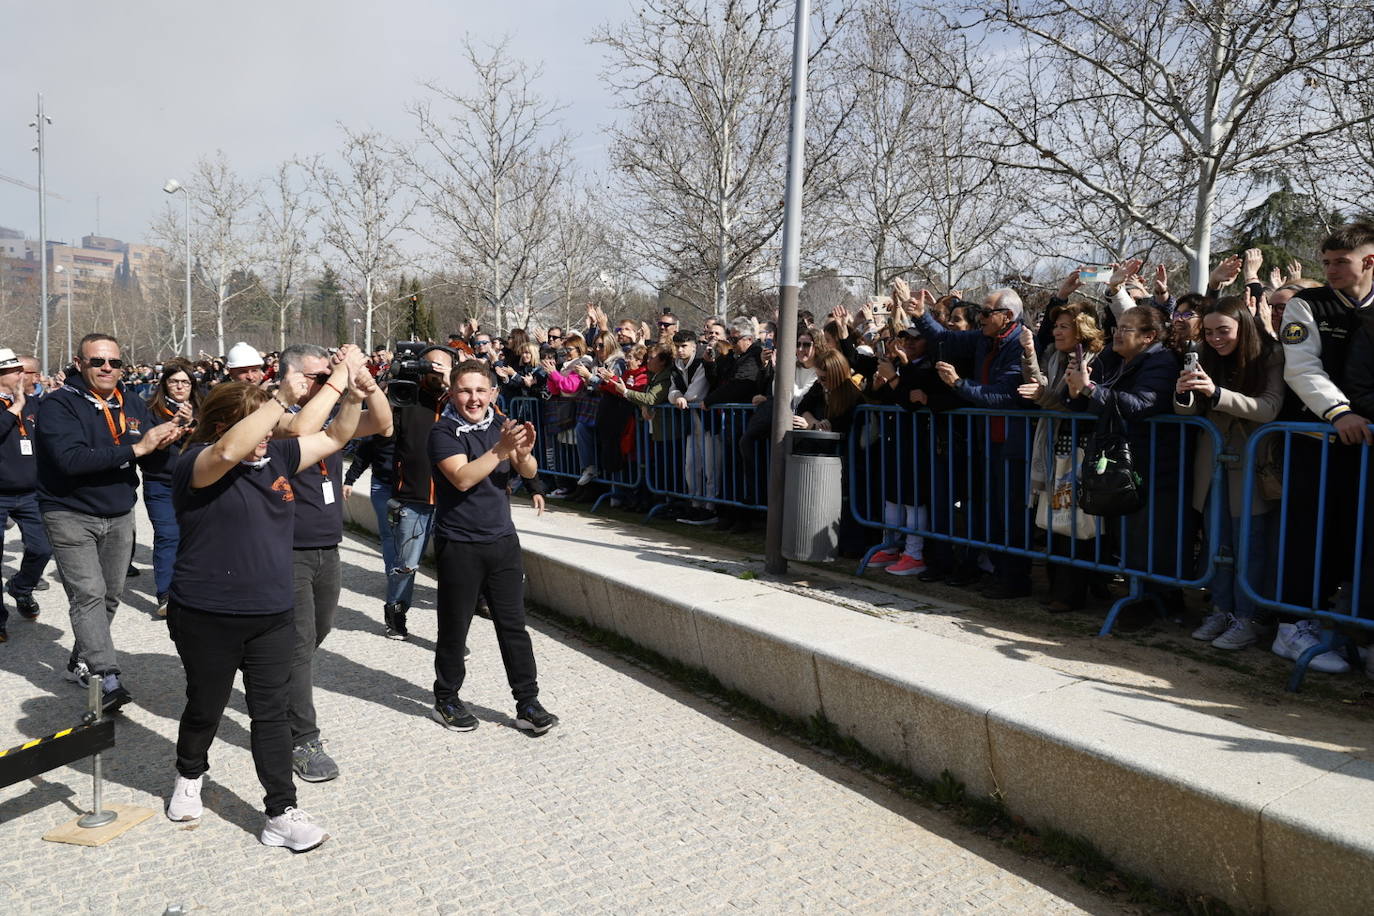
pixel 283 486
pixel 1294 332
pixel 135 427
pixel 1335 332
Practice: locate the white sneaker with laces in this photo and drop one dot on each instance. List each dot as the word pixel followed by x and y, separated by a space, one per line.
pixel 588 475
pixel 294 830
pixel 1292 640
pixel 184 805
pixel 1213 626
pixel 1240 633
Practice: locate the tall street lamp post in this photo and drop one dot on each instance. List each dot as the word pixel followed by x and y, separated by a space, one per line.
pixel 171 187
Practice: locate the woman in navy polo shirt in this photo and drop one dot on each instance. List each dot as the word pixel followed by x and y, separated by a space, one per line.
pixel 231 599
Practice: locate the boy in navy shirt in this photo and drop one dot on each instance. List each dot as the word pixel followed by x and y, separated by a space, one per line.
pixel 477 550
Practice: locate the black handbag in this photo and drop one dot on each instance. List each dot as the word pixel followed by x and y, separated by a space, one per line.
pixel 1108 484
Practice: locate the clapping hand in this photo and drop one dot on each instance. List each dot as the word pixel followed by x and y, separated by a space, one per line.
pixel 1225 273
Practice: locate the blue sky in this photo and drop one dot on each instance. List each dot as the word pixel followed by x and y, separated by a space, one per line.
pixel 138 90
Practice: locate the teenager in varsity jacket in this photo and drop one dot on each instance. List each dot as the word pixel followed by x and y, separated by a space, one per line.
pixel 1319 326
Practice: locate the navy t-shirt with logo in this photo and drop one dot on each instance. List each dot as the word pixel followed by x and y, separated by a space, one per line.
pixel 319 520
pixel 482 514
pixel 234 556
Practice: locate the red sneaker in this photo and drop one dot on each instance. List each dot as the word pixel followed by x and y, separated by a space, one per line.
pixel 907 566
pixel 884 558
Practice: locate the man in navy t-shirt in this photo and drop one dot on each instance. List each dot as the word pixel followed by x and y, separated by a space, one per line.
pixel 476 548
pixel 316 569
pixel 18 481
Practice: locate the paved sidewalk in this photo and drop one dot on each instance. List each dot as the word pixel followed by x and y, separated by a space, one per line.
pixel 645 798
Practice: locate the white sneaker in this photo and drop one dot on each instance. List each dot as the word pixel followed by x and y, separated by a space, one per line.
pixel 1240 633
pixel 294 830
pixel 588 475
pixel 1293 639
pixel 1213 626
pixel 184 805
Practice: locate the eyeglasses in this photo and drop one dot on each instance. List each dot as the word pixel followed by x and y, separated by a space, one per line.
pixel 1186 316
pixel 986 312
pixel 178 382
pixel 99 362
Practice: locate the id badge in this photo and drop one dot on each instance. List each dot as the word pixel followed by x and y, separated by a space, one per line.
pixel 329 492
pixel 26 446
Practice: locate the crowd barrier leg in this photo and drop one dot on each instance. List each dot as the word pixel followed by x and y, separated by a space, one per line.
pixel 97 816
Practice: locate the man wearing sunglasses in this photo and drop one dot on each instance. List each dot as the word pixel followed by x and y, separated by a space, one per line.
pixel 316 568
pixel 91 432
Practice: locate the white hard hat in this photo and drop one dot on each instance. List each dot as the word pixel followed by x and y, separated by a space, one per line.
pixel 243 355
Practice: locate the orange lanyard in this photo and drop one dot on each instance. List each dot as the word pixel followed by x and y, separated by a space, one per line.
pixel 109 419
pixel 19 417
pixel 324 471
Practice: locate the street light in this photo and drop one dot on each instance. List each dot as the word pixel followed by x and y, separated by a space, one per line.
pixel 171 187
pixel 63 270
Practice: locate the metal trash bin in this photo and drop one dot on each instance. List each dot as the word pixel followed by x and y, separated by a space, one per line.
pixel 813 500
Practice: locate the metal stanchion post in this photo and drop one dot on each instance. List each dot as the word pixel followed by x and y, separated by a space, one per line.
pixel 98 816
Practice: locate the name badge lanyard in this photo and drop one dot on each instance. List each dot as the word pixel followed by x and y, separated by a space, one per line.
pixel 109 418
pixel 25 443
pixel 328 486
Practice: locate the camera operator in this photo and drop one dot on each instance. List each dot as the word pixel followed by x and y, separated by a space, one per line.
pixel 418 394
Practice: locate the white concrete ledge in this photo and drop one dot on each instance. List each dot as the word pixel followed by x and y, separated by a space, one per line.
pixel 1194 801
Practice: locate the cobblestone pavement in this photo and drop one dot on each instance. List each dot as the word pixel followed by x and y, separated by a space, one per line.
pixel 645 798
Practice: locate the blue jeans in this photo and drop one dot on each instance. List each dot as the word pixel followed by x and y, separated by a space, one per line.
pixel 23 508
pixel 586 444
pixel 414 523
pixel 157 499
pixel 380 495
pixel 1225 595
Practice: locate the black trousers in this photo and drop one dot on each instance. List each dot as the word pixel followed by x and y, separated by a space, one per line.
pixel 495 571
pixel 213 647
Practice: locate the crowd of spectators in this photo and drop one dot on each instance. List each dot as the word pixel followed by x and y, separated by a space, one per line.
pixel 1247 351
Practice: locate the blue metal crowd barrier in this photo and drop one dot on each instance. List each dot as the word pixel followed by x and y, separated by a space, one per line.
pixel 1318 530
pixel 702 454
pixel 560 456
pixel 973 470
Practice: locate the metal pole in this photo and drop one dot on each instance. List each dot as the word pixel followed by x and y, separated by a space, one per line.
pixel 190 350
pixel 42 240
pixel 785 341
pixel 69 316
pixel 98 816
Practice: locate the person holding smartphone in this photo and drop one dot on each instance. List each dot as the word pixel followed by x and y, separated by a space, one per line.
pixel 177 400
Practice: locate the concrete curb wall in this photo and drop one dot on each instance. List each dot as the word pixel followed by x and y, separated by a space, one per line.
pixel 1192 800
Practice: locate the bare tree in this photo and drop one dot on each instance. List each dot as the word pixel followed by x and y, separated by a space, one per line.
pixel 283 219
pixel 1143 104
pixel 707 86
pixel 220 234
pixel 362 210
pixel 486 166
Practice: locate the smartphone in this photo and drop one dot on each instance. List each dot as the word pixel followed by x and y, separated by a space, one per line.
pixel 1078 354
pixel 768 344
pixel 1095 274
pixel 1190 362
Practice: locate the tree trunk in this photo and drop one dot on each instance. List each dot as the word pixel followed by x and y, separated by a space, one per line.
pixel 367 332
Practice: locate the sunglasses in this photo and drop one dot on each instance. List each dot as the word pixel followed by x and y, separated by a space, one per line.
pixel 1186 316
pixel 804 345
pixel 99 362
pixel 986 312
pixel 667 324
pixel 320 378
pixel 555 337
